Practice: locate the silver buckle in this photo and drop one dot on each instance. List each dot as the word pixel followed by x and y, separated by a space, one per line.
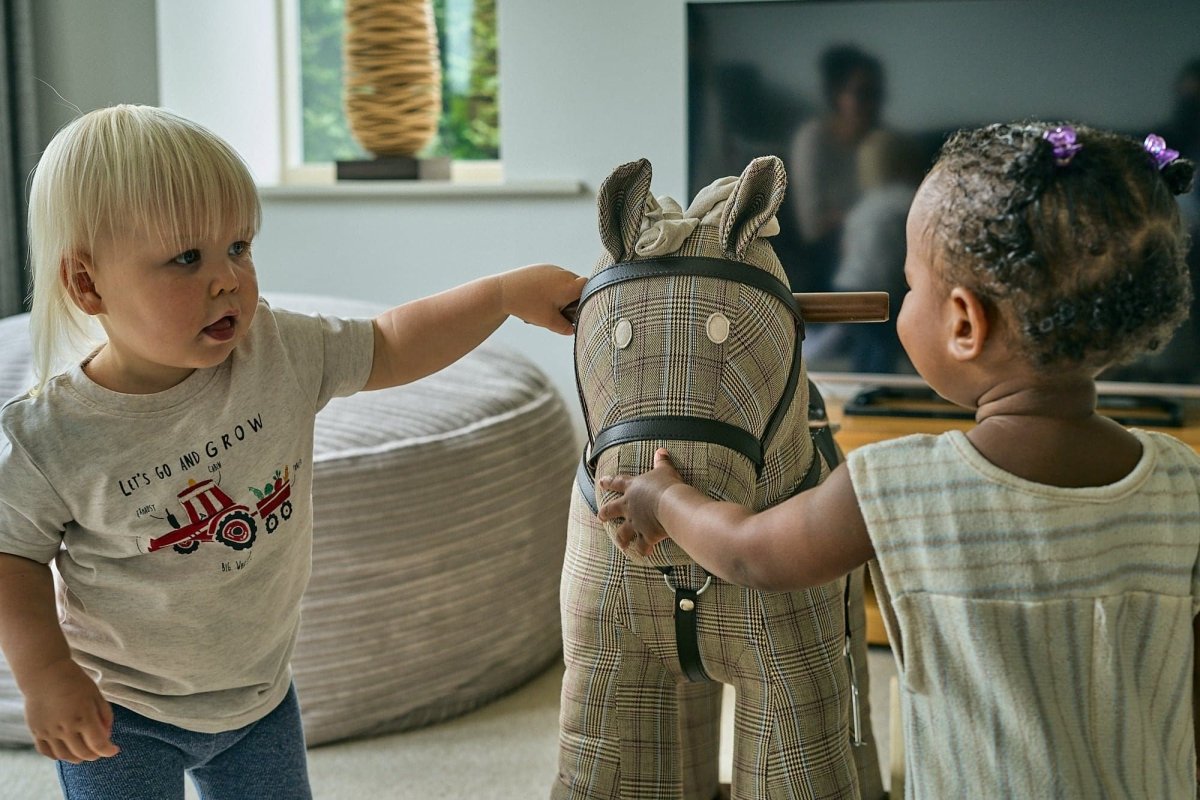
pixel 700 591
pixel 856 737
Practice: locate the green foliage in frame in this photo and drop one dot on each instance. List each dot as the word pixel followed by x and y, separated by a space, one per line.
pixel 470 125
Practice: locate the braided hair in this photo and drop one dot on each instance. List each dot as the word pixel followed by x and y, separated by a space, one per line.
pixel 1087 258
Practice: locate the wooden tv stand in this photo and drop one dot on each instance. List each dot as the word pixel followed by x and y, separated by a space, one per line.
pixel 852 431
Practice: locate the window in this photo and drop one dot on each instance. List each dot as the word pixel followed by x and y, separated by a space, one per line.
pixel 318 133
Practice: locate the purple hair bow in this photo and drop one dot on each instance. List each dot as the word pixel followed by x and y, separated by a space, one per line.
pixel 1062 138
pixel 1158 150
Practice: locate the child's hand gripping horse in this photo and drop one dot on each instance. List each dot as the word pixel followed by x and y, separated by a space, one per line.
pixel 809 539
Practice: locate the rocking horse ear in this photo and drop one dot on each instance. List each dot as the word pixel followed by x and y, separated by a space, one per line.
pixel 754 202
pixel 621 204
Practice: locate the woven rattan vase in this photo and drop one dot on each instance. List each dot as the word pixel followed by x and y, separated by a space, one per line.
pixel 393 83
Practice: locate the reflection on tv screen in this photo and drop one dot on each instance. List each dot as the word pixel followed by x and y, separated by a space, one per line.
pixel 857 97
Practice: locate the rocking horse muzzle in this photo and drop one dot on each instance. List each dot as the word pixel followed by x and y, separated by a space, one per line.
pixel 682 427
pixel 692 428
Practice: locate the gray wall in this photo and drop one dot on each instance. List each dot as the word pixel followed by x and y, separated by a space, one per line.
pixel 90 54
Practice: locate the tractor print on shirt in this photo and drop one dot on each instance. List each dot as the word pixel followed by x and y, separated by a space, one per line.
pixel 214 516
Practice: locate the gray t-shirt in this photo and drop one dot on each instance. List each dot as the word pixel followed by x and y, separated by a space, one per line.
pixel 180 523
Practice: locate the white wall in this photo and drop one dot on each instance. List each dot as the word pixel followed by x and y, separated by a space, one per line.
pixel 585 86
pixel 218 64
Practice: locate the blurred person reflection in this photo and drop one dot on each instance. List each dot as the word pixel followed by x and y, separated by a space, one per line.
pixel 890 167
pixel 822 159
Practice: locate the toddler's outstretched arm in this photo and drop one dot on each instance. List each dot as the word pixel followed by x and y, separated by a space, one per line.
pixel 66 714
pixel 812 538
pixel 421 337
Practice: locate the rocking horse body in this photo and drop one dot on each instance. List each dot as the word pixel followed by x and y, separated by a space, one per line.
pixel 688 337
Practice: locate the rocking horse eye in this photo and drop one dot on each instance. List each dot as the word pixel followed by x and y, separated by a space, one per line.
pixel 717 327
pixel 622 333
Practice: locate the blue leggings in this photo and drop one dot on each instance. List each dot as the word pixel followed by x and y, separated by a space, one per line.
pixel 264 759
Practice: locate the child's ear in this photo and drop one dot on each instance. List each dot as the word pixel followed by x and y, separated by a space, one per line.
pixel 76 275
pixel 969 325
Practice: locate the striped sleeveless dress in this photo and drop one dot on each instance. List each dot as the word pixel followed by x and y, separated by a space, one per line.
pixel 1043 635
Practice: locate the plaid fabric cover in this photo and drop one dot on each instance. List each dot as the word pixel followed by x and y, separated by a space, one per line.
pixel 631 724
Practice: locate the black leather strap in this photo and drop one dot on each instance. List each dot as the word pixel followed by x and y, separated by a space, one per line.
pixel 825 448
pixel 587 484
pixel 687 640
pixel 856 716
pixel 686 637
pixel 811 478
pixel 789 391
pixel 823 433
pixel 695 266
pixel 687 429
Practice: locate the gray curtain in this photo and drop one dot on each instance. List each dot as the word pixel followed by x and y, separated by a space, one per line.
pixel 18 148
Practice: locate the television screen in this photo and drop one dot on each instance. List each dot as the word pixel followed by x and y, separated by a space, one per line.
pixel 856 96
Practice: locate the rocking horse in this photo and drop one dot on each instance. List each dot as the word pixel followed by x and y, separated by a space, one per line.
pixel 688 337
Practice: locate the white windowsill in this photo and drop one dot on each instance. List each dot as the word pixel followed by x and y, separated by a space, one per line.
pixel 348 190
pixel 468 179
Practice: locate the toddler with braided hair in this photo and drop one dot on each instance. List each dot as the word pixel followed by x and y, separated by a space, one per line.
pixel 1039 574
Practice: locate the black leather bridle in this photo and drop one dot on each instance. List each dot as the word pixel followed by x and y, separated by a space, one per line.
pixel 682 427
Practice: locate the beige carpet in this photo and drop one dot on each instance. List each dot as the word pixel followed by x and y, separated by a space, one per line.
pixel 504 751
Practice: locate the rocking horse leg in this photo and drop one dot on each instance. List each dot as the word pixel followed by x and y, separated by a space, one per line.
pixel 647 710
pixel 866 754
pixel 670 726
pixel 752 740
pixel 593 604
pixel 656 759
pixel 618 737
pixel 700 738
pixel 791 739
pixel 618 726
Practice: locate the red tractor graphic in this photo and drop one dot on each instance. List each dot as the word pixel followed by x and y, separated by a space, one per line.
pixel 213 516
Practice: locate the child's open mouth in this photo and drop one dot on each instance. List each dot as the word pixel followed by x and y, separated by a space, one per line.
pixel 222 330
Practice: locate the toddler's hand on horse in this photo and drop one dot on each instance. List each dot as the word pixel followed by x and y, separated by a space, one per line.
pixel 538 294
pixel 638 504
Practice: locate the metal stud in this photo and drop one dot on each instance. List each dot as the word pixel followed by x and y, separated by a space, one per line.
pixel 717 327
pixel 622 333
pixel 686 604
